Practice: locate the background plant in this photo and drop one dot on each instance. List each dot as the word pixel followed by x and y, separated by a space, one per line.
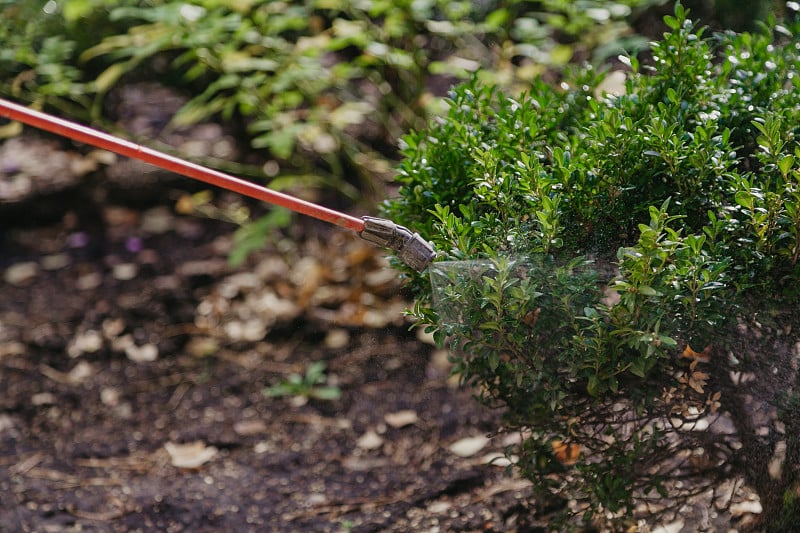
pixel 322 89
pixel 301 388
pixel 624 253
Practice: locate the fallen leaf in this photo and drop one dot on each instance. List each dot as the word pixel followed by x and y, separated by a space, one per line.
pixel 6 423
pixel 113 327
pixel 142 354
pixel 21 273
pixel 43 398
pixel 402 418
pixel 703 357
pixel 378 318
pixel 365 464
pixel 202 346
pixel 369 441
pixel 251 330
pixel 110 396
pixel 120 216
pixel 11 348
pixel 55 261
pixel 468 446
pixel 80 372
pixel 439 507
pixel 125 271
pixel 191 455
pixel 567 454
pixel 532 317
pixel 499 459
pixel 713 402
pixel 337 338
pixel 89 281
pixel 202 267
pixel 750 506
pixel 697 381
pixel 249 427
pixel 86 342
pixel 307 275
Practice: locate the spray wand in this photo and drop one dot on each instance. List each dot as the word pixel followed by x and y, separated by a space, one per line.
pixel 412 249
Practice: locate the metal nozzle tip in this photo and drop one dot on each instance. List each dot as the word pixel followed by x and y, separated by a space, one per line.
pixel 411 248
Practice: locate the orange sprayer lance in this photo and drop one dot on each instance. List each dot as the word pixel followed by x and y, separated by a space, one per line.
pixel 410 247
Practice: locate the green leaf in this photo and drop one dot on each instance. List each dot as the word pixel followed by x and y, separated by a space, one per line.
pixel 672 22
pixel 75 10
pixel 613 384
pixel 593 386
pixel 667 341
pixel 786 163
pixel 253 236
pixel 638 368
pixel 647 290
pixel 497 19
pixel 109 77
pixel 326 393
pixel 744 199
pixel 561 54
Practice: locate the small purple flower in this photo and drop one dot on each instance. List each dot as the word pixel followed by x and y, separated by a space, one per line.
pixel 134 244
pixel 78 239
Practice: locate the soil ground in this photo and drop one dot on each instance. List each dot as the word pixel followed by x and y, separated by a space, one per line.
pixel 133 364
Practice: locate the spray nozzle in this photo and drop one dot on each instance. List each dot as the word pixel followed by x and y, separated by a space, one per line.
pixel 412 249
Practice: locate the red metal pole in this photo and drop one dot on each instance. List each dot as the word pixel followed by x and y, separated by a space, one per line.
pixel 108 142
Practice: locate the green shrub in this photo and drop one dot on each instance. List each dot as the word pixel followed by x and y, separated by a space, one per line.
pixel 597 250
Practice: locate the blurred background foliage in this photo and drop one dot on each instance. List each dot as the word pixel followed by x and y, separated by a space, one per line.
pixel 320 90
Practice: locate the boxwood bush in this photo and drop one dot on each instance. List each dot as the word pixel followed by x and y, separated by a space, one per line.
pixel 618 272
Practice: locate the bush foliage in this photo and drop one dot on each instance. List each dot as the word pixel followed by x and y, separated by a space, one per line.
pixel 610 262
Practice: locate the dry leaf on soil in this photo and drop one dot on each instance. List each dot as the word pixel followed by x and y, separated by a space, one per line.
pixel 697 381
pixel 369 441
pixel 468 446
pixel 402 418
pixel 566 453
pixel 190 455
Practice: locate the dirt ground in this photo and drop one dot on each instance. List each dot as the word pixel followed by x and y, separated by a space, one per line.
pixel 133 365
